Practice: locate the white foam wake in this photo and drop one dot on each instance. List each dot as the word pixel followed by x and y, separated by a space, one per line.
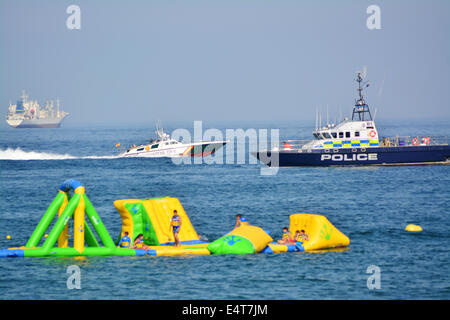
pixel 19 154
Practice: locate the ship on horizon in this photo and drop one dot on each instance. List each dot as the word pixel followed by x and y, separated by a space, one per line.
pixel 29 114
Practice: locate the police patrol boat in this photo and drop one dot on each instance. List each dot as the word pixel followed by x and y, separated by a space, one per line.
pixel 357 142
pixel 165 146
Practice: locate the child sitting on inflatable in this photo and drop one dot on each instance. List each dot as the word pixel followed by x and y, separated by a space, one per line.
pixel 139 242
pixel 125 242
pixel 240 220
pixel 300 236
pixel 286 238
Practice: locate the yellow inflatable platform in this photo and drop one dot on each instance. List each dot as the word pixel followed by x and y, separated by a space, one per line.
pixel 200 249
pixel 322 234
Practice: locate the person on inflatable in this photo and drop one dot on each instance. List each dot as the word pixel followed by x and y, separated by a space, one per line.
pixel 240 221
pixel 300 236
pixel 125 241
pixel 286 238
pixel 139 242
pixel 175 225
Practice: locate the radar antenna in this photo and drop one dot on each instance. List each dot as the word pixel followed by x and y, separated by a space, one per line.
pixel 160 131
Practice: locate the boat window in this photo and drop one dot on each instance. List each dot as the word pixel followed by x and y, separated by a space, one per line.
pixel 341 134
pixel 155 146
pixel 334 135
pixel 140 149
pixel 347 134
pixel 356 133
pixel 326 135
pixel 316 135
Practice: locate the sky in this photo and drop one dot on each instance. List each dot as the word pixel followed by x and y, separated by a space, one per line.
pixel 137 61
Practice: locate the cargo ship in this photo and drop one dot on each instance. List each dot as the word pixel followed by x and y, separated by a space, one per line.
pixel 29 114
pixel 357 142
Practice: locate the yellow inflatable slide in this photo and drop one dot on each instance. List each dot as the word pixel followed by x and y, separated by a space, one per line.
pixel 152 217
pixel 322 234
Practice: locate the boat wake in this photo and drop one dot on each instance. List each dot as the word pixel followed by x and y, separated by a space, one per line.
pixel 19 154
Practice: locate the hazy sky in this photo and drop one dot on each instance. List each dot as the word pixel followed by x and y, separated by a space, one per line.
pixel 225 60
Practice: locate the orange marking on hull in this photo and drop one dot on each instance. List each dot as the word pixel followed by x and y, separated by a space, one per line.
pixel 187 150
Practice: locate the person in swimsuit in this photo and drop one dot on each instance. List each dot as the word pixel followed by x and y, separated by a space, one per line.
pixel 125 241
pixel 303 235
pixel 139 242
pixel 300 236
pixel 286 238
pixel 175 225
pixel 240 221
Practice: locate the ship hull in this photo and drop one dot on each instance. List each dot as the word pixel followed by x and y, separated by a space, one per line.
pixel 46 125
pixel 35 123
pixel 357 156
pixel 201 149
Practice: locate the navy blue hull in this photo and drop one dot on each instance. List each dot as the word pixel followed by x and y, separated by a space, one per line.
pixel 357 156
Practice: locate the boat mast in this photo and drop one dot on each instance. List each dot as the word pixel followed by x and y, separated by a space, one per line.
pixel 361 111
pixel 24 96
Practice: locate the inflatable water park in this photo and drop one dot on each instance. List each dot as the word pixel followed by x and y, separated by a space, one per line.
pixel 152 220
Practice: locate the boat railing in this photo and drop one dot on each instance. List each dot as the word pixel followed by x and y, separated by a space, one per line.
pixel 405 141
pixel 394 141
pixel 294 144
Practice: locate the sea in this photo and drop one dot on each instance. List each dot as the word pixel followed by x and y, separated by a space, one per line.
pixel 371 205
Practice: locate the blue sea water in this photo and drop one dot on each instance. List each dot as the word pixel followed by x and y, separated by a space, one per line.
pixel 372 205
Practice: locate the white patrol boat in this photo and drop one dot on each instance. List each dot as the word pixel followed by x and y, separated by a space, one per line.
pixel 165 146
pixel 357 142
